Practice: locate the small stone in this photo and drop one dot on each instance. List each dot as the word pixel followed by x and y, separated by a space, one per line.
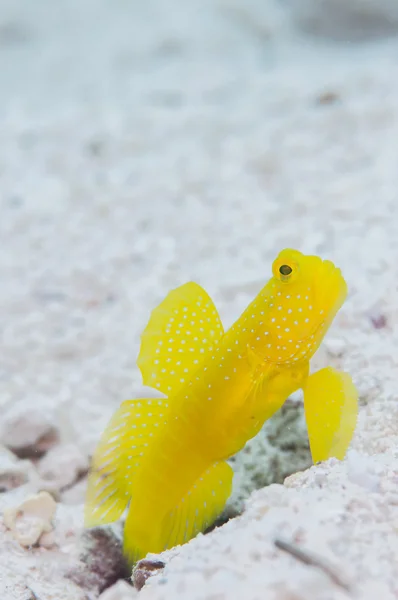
pixel 29 520
pixel 120 591
pixel 11 480
pixel 295 480
pixel 63 465
pixel 342 20
pixel 13 472
pixel 47 540
pixel 335 346
pixel 102 560
pixel 327 98
pixel 144 569
pixel 28 433
pixel 378 319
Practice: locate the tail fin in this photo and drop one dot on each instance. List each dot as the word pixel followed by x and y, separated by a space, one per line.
pixel 118 457
pixel 196 511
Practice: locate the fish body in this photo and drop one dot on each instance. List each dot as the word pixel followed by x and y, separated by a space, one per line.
pixel 165 458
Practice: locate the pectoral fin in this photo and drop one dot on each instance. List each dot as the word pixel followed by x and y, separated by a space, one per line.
pixel 331 408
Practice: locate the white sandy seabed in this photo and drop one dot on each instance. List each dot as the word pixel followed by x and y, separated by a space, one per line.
pixel 144 144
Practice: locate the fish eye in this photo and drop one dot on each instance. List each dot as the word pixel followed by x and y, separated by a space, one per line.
pixel 285 270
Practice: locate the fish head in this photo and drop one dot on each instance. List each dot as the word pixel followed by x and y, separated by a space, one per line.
pixel 302 299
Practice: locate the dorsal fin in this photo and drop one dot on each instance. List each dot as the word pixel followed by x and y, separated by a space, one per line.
pixel 180 333
pixel 118 456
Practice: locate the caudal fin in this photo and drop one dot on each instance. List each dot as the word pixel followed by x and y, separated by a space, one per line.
pixel 196 511
pixel 118 457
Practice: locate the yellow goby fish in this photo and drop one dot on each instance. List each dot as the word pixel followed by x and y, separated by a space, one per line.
pixel 164 458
